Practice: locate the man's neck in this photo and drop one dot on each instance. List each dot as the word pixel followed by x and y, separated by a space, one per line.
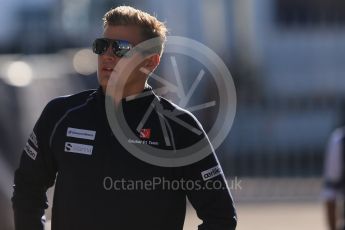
pixel 128 90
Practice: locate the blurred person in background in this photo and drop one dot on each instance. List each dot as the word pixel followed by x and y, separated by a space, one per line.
pixel 334 181
pixel 73 147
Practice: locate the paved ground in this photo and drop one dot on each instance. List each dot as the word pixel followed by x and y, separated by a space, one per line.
pixel 275 203
pixel 273 216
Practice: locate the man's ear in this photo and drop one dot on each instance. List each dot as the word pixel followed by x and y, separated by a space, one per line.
pixel 152 62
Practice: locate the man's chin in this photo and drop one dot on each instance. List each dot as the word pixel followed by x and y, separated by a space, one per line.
pixel 103 83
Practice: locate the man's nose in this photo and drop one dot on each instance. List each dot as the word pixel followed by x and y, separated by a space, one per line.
pixel 109 52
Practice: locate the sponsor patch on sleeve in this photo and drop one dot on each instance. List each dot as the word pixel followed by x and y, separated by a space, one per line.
pixel 211 173
pixel 33 139
pixel 31 152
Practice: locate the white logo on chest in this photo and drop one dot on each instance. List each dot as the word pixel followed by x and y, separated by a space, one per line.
pixel 78 148
pixel 81 133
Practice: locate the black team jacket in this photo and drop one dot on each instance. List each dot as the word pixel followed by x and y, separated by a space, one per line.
pixel 100 185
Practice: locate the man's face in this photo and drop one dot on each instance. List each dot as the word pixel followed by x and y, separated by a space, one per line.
pixel 108 60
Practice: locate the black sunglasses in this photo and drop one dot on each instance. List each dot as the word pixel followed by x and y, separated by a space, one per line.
pixel 119 47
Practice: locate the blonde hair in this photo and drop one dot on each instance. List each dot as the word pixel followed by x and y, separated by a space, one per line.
pixel 150 26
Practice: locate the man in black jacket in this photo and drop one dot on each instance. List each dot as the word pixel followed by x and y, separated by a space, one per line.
pixel 99 183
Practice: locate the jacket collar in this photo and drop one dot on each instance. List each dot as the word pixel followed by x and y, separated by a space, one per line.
pixel 132 103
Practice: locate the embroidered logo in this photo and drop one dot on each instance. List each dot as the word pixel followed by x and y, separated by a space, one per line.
pixel 33 139
pixel 81 133
pixel 78 148
pixel 145 133
pixel 210 173
pixel 31 152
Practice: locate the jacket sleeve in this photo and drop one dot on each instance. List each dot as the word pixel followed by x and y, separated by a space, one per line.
pixel 209 195
pixel 35 174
